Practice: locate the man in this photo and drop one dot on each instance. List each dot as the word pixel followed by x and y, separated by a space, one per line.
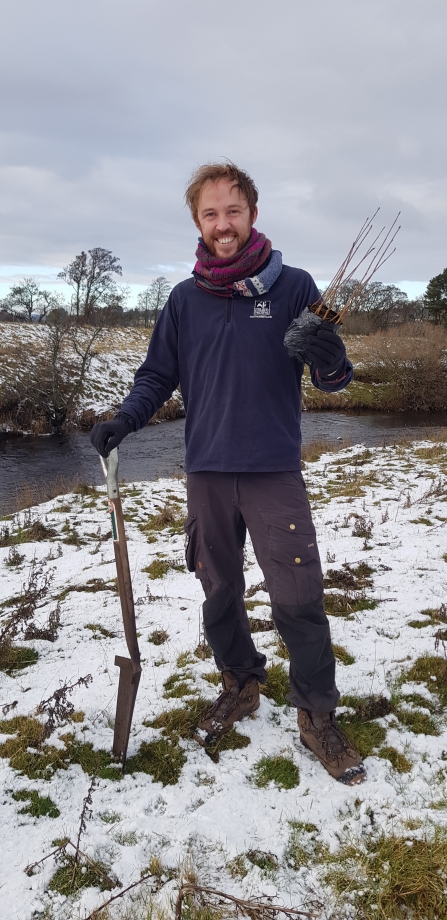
pixel 221 336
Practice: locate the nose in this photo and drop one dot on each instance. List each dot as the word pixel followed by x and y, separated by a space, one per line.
pixel 222 223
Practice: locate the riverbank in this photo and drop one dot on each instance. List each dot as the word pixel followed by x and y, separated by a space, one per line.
pixel 260 818
pixel 402 370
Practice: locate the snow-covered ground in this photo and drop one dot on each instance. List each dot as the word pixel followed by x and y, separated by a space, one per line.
pixel 395 500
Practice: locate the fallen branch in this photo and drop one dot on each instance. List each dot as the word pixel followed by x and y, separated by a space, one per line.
pixel 115 897
pixel 247 906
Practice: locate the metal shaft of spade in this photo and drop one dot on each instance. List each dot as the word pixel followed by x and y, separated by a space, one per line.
pixel 130 668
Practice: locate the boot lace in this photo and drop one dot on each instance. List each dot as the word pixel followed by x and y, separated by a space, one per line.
pixel 333 739
pixel 224 705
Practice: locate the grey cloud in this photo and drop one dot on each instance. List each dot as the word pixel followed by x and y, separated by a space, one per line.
pixel 335 108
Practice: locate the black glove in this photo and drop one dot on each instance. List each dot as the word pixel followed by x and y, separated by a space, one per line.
pixel 107 435
pixel 326 350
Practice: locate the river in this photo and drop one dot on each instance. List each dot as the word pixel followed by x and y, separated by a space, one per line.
pixel 158 450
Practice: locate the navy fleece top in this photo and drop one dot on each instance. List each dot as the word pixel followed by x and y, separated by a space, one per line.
pixel 241 391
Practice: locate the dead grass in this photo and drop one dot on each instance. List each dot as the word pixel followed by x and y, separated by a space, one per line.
pixel 392 877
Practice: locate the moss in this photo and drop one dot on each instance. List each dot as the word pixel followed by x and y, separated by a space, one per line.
pixel 280 770
pixel 16 657
pixel 342 654
pixel 397 760
pixel 158 637
pixel 277 684
pixel 38 806
pixel 162 759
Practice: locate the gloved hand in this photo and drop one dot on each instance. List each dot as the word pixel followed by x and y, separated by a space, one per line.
pixel 326 350
pixel 107 435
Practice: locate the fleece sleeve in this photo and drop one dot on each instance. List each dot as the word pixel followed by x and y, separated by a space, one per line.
pixel 158 376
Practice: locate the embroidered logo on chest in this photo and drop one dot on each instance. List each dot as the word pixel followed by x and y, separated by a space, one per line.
pixel 261 309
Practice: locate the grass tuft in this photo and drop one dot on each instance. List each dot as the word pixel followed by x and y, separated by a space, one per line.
pixel 430 670
pixel 392 877
pixel 38 806
pixel 72 876
pixel 16 657
pixel 342 654
pixel 397 760
pixel 213 677
pixel 277 685
pixel 158 637
pixel 279 770
pixel 304 845
pixel 267 862
pixel 162 759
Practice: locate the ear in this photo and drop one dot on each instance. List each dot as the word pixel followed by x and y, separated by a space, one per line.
pixel 255 216
pixel 197 224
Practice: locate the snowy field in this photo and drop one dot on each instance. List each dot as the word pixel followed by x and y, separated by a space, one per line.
pixel 261 818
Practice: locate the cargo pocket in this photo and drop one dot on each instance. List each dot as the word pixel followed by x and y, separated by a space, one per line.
pixel 194 562
pixel 190 542
pixel 295 562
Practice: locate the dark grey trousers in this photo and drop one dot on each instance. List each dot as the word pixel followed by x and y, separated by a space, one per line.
pixel 275 509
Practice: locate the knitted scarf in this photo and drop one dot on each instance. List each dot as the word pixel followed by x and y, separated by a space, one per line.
pixel 237 274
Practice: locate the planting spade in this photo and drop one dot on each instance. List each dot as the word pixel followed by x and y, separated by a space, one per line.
pixel 130 668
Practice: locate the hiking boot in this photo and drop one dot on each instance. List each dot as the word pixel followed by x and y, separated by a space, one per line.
pixel 232 704
pixel 320 733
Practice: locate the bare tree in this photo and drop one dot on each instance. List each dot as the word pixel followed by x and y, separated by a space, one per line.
pixel 28 301
pixel 90 276
pixel 144 305
pixel 152 300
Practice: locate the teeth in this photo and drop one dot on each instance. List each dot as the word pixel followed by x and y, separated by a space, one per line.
pixel 226 239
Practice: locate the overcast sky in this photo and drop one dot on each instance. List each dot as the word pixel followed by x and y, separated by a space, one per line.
pixel 333 106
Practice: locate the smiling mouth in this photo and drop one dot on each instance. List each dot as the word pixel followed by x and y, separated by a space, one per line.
pixel 226 239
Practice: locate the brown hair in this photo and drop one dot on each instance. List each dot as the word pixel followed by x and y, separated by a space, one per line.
pixel 212 172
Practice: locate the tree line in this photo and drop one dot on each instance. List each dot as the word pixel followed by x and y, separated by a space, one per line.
pixel 95 299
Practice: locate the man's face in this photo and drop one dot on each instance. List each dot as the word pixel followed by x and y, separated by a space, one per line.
pixel 223 218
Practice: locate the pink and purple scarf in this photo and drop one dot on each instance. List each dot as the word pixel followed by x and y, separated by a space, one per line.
pixel 237 275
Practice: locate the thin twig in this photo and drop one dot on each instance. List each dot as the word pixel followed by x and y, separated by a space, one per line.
pixel 115 897
pixel 377 252
pixel 32 866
